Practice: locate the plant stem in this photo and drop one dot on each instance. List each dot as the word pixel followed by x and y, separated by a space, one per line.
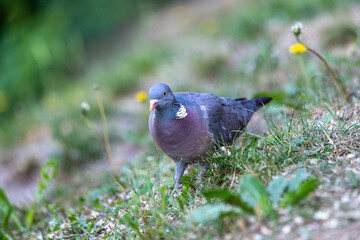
pixel 92 127
pixel 303 70
pixel 336 81
pixel 107 150
pixel 106 144
pixel 103 115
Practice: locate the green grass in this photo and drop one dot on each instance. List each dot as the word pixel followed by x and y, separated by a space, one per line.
pixel 141 205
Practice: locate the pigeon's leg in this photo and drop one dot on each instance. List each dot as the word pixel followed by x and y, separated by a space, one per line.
pixel 179 171
pixel 205 167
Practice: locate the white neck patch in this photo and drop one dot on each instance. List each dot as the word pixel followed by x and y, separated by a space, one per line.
pixel 181 113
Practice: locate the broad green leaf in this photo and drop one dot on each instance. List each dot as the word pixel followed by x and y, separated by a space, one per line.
pixel 295 182
pixel 229 198
pixel 212 212
pixel 253 187
pixel 302 192
pixel 276 188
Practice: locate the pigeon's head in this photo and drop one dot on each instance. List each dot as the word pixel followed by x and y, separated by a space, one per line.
pixel 160 96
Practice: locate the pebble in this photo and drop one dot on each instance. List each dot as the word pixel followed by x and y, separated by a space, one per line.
pixel 345 198
pixel 299 220
pixel 332 223
pixel 265 231
pixel 321 215
pixel 286 229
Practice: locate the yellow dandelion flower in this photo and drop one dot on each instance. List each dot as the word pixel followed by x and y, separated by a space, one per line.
pixel 141 96
pixel 297 48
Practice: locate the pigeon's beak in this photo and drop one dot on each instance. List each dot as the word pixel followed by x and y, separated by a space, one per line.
pixel 153 104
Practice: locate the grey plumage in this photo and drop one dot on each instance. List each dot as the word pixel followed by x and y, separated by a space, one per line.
pixel 186 125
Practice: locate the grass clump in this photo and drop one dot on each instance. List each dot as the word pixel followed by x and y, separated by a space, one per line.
pixel 292 140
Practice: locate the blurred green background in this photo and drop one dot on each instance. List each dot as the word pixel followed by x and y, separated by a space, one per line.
pixel 47 48
pixel 52 52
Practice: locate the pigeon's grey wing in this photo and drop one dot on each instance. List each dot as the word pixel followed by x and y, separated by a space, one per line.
pixel 237 114
pixel 225 117
pixel 228 117
pixel 220 114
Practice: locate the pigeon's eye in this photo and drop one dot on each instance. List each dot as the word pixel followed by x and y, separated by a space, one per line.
pixel 165 93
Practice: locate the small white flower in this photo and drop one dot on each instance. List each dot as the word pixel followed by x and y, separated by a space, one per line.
pixel 297 28
pixel 225 151
pixel 85 108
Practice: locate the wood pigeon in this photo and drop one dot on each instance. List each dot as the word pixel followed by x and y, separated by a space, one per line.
pixel 186 126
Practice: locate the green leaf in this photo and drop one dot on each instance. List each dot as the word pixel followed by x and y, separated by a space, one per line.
pixel 44 174
pixel 295 182
pixel 3 199
pixel 187 181
pixel 302 192
pixel 276 188
pixel 212 212
pixel 132 221
pixel 6 212
pixel 30 217
pixel 254 187
pixel 4 236
pixel 48 173
pixel 229 198
pixel 256 191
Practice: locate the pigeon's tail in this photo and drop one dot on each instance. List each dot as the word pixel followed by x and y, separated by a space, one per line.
pixel 255 103
pixel 261 101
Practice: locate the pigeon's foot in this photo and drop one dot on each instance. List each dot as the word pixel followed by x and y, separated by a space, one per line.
pixel 178 186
